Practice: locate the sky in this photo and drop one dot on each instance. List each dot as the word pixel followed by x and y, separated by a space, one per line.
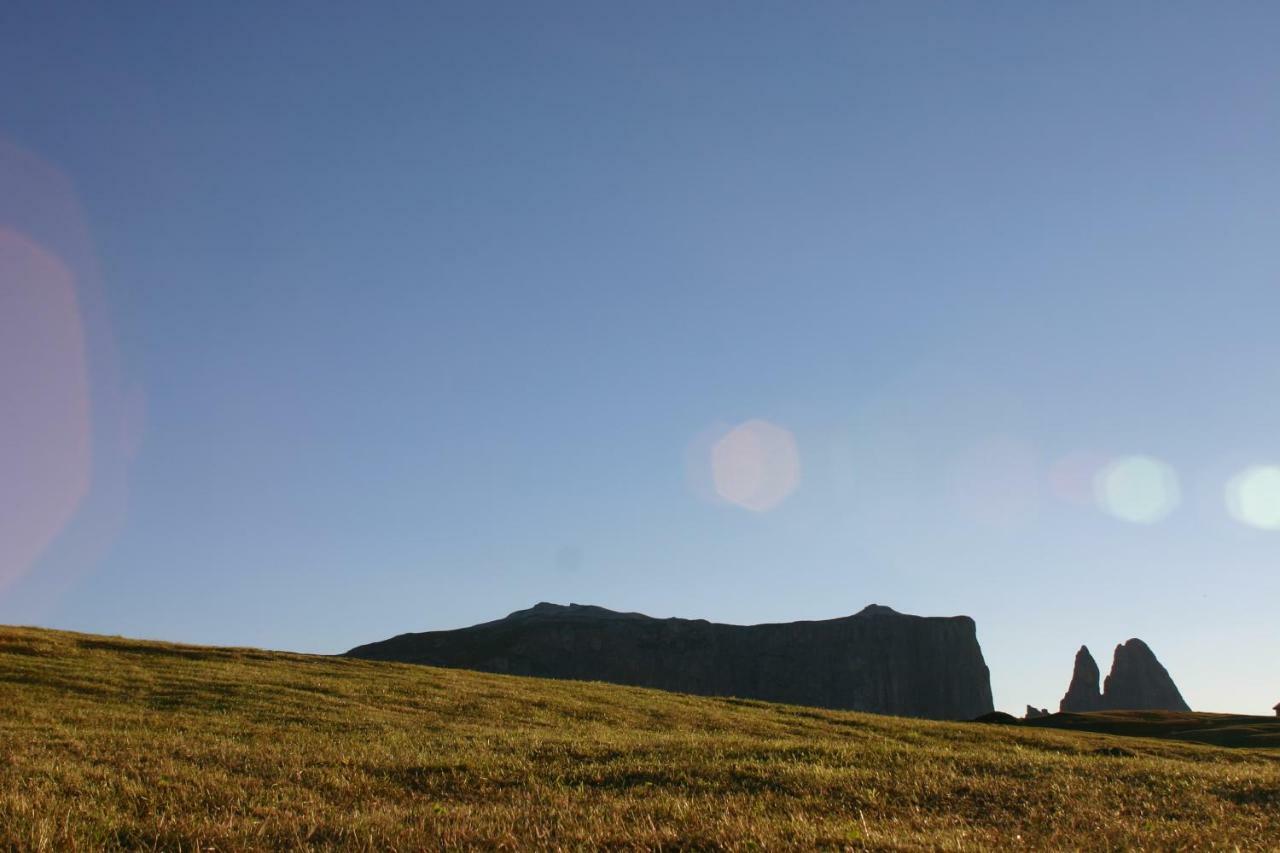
pixel 318 326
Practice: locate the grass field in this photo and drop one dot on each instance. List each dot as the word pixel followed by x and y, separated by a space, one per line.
pixel 108 743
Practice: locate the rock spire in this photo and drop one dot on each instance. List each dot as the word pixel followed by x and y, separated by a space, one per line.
pixel 1082 693
pixel 1137 682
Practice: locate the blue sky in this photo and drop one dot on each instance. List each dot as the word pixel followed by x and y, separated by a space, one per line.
pixel 408 316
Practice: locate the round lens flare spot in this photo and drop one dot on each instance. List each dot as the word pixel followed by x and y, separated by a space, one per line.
pixel 1137 489
pixel 755 465
pixel 1253 497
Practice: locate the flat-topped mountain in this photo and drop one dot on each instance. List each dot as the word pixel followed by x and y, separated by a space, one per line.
pixel 877 660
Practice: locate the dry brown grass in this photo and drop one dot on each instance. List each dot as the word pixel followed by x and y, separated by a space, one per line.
pixel 110 743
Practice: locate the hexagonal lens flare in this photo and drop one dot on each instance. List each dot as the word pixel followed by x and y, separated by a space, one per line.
pixel 756 465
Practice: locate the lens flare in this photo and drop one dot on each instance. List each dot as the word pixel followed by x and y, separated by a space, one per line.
pixel 1253 497
pixel 1072 478
pixel 755 465
pixel 1138 489
pixel 69 422
pixel 44 398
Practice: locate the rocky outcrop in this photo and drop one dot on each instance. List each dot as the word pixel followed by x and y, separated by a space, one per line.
pixel 877 660
pixel 1034 713
pixel 1082 693
pixel 1137 682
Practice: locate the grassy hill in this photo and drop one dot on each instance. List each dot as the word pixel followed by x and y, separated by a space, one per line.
pixel 108 742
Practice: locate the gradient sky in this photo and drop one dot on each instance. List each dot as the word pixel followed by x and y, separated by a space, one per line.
pixel 319 326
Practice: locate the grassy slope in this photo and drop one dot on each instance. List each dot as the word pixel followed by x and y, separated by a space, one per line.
pixel 110 742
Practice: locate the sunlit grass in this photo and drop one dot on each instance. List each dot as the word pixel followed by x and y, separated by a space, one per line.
pixel 117 743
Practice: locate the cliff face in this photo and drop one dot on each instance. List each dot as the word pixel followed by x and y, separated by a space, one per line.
pixel 1082 693
pixel 877 660
pixel 1137 682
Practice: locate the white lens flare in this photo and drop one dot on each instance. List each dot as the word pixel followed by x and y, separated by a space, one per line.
pixel 1253 497
pixel 1137 489
pixel 755 465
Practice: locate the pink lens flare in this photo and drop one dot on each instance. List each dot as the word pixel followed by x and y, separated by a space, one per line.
pixel 45 420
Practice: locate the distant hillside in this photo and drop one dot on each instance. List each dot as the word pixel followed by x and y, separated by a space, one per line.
pixel 876 660
pixel 1233 730
pixel 108 743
